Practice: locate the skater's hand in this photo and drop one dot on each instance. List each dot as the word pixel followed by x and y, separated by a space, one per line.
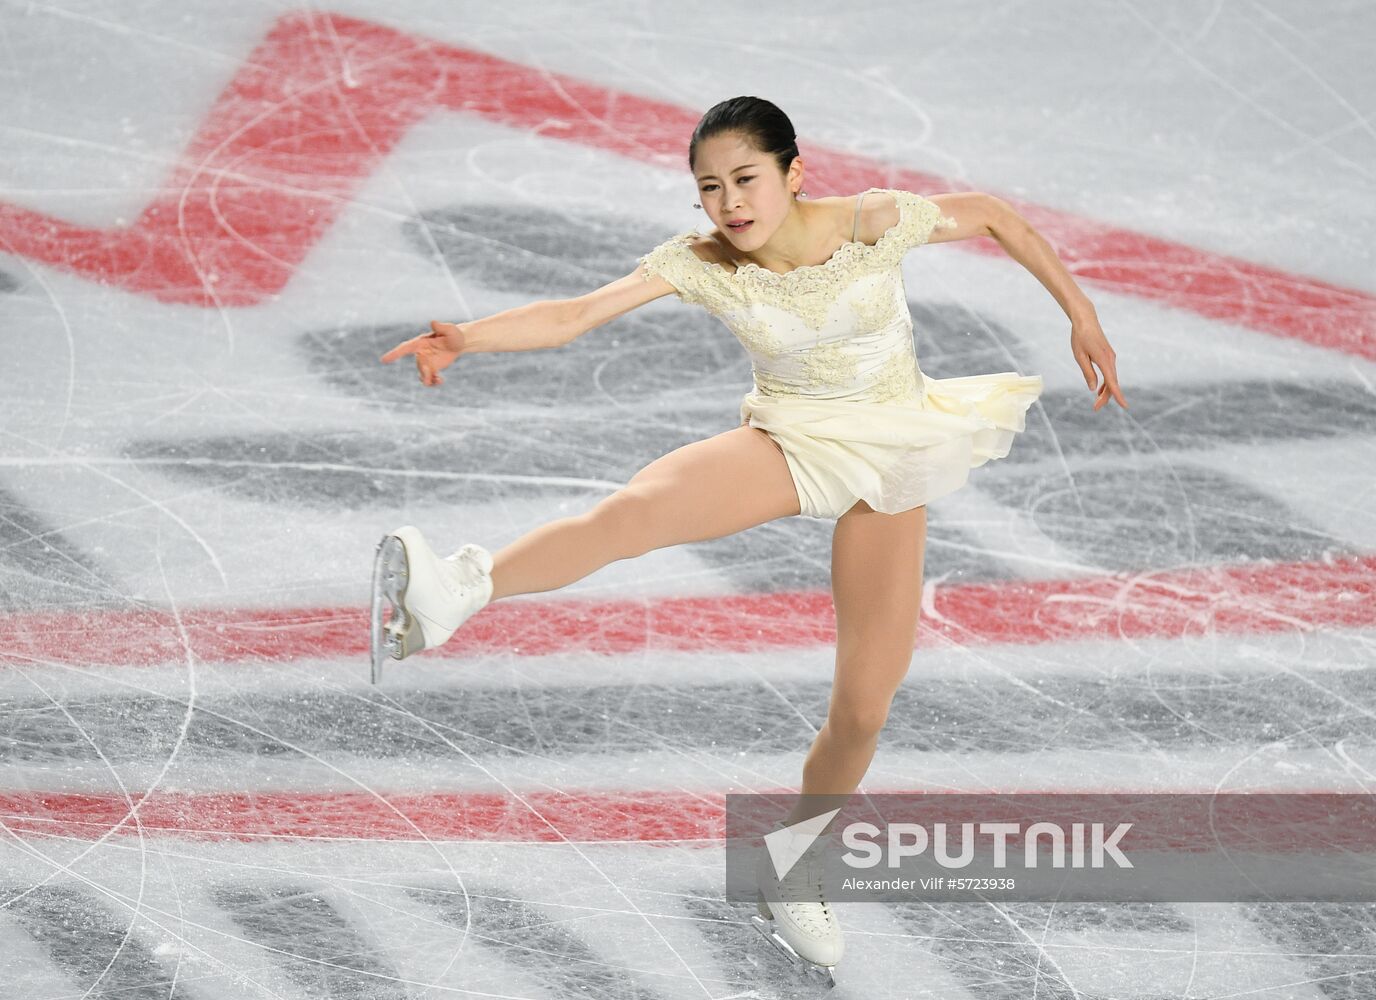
pixel 1091 347
pixel 434 350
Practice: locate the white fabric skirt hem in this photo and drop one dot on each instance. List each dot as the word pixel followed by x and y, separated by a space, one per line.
pixel 894 455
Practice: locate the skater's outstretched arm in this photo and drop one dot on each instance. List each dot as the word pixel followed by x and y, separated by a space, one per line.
pixel 548 323
pixel 979 214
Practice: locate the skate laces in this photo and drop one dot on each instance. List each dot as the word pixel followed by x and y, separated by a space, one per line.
pixel 470 564
pixel 803 883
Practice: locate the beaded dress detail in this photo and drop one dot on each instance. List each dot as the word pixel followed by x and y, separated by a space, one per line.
pixel 837 383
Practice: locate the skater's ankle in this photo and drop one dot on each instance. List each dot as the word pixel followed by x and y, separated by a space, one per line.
pixel 816 804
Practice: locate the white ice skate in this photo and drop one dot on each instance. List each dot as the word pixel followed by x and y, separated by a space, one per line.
pixel 806 931
pixel 430 597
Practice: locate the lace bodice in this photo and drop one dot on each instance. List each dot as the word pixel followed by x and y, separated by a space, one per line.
pixel 835 330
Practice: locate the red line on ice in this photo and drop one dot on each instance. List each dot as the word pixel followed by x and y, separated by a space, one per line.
pixel 325 98
pixel 1252 598
pixel 1266 821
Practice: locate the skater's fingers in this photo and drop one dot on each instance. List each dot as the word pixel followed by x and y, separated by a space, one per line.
pixel 400 351
pixel 411 346
pixel 1109 389
pixel 1111 383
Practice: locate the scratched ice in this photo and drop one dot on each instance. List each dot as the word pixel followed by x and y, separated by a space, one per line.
pixel 213 221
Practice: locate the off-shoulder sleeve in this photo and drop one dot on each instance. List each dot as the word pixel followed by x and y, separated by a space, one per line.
pixel 674 261
pixel 917 217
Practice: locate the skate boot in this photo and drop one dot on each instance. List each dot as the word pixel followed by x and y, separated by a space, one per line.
pixel 806 931
pixel 430 597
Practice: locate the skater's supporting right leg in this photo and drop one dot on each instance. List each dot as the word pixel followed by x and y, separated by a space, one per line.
pixel 876 584
pixel 707 489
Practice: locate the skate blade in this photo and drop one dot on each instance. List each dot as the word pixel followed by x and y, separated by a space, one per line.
pixel 817 973
pixel 401 636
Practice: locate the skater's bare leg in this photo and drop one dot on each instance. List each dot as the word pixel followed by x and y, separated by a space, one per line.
pixel 876 583
pixel 707 489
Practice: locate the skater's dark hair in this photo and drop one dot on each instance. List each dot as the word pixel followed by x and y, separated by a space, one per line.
pixel 761 122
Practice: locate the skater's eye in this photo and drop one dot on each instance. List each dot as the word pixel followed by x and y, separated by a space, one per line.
pixel 739 180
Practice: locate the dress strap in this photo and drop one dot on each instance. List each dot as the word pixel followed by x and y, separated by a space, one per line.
pixel 855 230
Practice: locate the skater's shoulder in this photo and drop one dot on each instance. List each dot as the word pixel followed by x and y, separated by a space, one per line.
pixel 701 244
pixel 678 265
pixel 687 250
pixel 711 247
pixel 880 210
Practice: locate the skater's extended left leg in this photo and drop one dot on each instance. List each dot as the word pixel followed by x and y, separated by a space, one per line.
pixel 706 489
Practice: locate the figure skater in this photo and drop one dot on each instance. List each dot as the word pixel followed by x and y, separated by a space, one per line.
pixel 841 424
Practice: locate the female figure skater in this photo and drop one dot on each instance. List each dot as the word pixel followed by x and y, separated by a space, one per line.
pixel 842 424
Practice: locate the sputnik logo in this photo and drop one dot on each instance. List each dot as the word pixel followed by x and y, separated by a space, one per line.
pixel 788 844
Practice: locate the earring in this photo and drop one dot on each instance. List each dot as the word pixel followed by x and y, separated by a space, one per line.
pixel 696 205
pixel 802 194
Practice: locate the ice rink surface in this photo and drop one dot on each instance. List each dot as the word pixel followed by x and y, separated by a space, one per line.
pixel 215 218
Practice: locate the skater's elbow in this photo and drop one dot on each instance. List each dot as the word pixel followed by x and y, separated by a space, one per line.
pixel 567 322
pixel 975 214
pixel 1003 221
pixel 534 326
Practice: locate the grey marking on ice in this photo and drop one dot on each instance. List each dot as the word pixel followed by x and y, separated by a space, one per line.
pixel 315 945
pixel 91 944
pixel 998 952
pixel 40 568
pixel 1217 413
pixel 542 941
pixel 1333 940
pixel 536 250
pixel 1231 706
pixel 1120 517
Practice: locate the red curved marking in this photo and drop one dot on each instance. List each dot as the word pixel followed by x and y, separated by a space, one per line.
pixel 325 98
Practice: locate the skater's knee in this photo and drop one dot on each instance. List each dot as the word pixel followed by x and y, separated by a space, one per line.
pixel 628 518
pixel 857 721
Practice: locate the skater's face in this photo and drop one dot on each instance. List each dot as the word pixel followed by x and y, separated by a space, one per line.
pixel 737 182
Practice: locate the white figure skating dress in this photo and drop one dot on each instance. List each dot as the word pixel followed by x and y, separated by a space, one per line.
pixel 837 384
